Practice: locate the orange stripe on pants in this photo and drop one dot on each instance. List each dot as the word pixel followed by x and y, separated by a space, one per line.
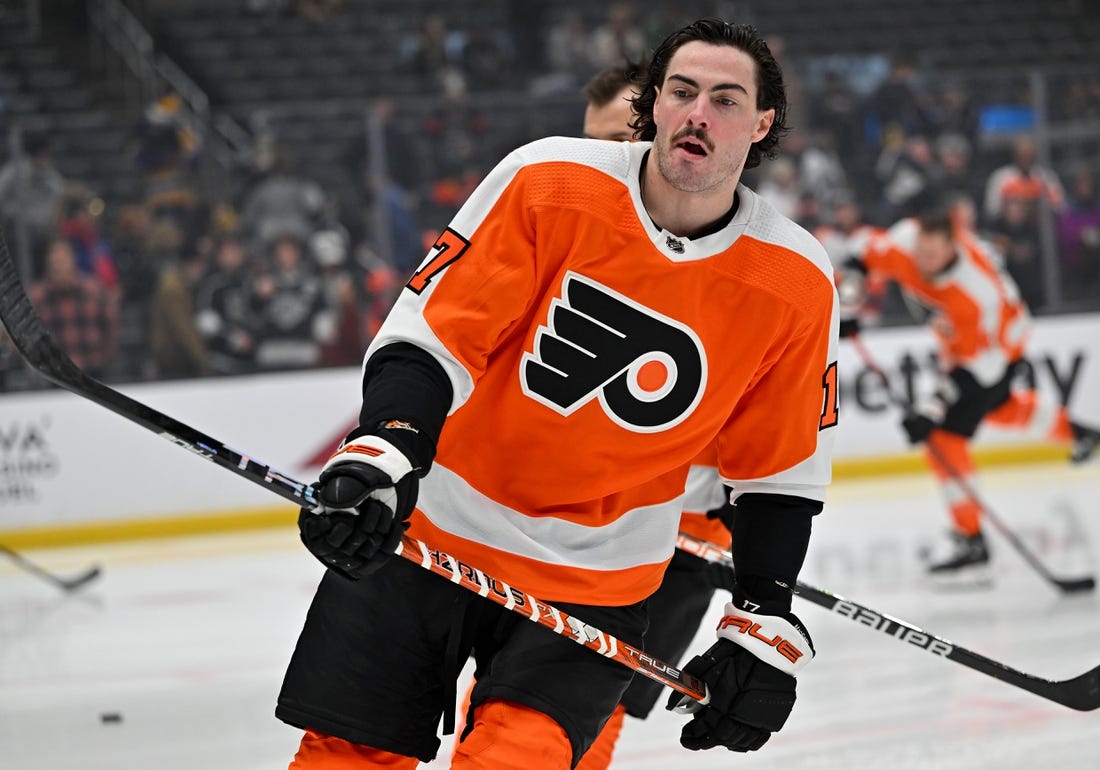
pixel 598 756
pixel 1017 411
pixel 1023 408
pixel 505 736
pixel 509 736
pixel 948 455
pixel 324 752
pixel 1061 430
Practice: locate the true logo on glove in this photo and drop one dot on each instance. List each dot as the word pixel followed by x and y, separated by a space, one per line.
pixel 751 628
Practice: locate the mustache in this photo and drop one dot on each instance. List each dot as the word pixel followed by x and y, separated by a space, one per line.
pixel 691 132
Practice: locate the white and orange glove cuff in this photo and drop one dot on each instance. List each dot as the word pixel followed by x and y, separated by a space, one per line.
pixel 372 450
pixel 771 638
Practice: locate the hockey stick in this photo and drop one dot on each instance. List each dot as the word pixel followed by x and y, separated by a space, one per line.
pixel 1076 585
pixel 67 585
pixel 39 351
pixel 1081 692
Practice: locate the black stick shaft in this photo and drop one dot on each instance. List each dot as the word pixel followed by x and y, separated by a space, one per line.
pixel 1081 693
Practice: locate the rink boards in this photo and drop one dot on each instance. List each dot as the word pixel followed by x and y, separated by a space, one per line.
pixel 71 471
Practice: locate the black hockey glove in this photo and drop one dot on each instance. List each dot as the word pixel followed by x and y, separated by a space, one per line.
pixel 957 385
pixel 368 490
pixel 849 327
pixel 853 265
pixel 917 426
pixel 749 673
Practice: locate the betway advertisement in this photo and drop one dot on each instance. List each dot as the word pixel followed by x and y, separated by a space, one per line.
pixel 65 461
pixel 1062 364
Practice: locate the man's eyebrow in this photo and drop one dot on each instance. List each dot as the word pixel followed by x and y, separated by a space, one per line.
pixel 720 87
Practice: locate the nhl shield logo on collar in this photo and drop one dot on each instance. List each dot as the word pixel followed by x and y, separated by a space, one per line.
pixel 675 244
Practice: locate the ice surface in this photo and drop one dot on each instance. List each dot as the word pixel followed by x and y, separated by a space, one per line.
pixel 186 639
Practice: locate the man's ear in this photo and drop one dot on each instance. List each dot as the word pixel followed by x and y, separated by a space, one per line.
pixel 763 125
pixel 656 101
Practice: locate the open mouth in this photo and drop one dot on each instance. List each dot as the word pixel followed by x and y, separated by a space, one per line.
pixel 692 148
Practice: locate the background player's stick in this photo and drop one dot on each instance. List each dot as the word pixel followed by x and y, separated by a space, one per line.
pixel 1076 585
pixel 67 585
pixel 1081 693
pixel 37 348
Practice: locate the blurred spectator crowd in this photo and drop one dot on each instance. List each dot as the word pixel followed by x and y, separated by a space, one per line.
pixel 278 270
pixel 182 284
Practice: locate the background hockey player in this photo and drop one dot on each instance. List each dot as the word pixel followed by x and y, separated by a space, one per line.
pixel 982 326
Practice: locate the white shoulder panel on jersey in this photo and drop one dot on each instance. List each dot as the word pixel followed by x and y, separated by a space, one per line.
pixel 992 253
pixel 988 364
pixel 768 225
pixel 612 158
pixel 903 234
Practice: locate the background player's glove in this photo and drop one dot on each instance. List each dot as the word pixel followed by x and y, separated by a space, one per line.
pixel 750 675
pixel 957 385
pixel 851 289
pixel 368 490
pixel 849 327
pixel 917 426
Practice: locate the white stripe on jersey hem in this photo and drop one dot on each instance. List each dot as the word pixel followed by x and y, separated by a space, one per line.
pixel 641 536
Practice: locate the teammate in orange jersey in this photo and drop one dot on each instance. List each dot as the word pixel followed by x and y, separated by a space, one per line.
pixel 982 326
pixel 596 315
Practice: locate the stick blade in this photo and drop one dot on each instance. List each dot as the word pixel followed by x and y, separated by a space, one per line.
pixel 1081 693
pixel 79 581
pixel 1078 586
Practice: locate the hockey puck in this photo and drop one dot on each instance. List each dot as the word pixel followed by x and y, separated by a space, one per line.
pixel 110 717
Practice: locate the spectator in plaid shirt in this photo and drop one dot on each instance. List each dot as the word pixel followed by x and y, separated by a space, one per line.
pixel 79 312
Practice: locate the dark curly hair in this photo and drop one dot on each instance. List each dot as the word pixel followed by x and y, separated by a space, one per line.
pixel 770 92
pixel 606 85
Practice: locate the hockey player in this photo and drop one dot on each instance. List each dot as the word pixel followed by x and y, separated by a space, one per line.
pixel 982 326
pixel 596 315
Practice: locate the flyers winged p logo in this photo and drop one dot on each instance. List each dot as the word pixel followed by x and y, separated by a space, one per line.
pixel 646 370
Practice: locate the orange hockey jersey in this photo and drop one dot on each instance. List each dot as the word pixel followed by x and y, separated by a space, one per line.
pixel 979 319
pixel 593 356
